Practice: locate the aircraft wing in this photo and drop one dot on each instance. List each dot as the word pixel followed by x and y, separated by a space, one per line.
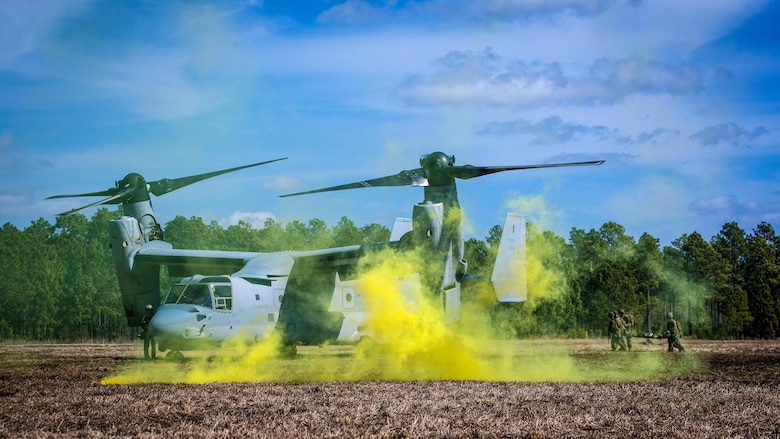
pixel 184 262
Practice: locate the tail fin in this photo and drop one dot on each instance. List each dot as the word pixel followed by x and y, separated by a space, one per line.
pixel 509 280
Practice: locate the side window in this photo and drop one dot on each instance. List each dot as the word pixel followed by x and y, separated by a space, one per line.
pixel 206 300
pixel 223 297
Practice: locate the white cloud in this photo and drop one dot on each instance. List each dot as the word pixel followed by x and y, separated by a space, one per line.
pixel 282 182
pixel 519 9
pixel 255 219
pixel 353 12
pixel 554 130
pixel 15 161
pixel 25 25
pixel 732 205
pixel 729 133
pixel 479 77
pixel 459 12
pixel 195 69
pixel 722 203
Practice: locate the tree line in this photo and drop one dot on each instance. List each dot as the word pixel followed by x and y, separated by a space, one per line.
pixel 727 287
pixel 58 283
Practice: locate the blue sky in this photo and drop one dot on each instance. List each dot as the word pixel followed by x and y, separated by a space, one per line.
pixel 680 98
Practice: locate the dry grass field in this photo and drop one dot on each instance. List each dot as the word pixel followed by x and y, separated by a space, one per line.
pixel 715 389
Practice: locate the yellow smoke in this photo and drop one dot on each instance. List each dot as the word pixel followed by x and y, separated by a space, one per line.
pixel 534 208
pixel 416 344
pixel 543 275
pixel 236 360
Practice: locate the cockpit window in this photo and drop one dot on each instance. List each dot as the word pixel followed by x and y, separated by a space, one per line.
pixel 197 294
pixel 194 294
pixel 175 293
pixel 201 295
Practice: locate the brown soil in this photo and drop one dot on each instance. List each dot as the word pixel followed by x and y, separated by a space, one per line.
pixel 55 391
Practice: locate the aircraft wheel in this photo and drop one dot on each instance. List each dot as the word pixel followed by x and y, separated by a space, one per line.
pixel 175 356
pixel 373 347
pixel 288 351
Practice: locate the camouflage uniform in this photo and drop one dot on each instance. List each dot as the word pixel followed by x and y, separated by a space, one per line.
pixel 673 332
pixel 148 341
pixel 616 332
pixel 628 321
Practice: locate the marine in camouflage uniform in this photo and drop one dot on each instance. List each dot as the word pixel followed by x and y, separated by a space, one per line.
pixel 616 331
pixel 673 332
pixel 628 321
pixel 149 342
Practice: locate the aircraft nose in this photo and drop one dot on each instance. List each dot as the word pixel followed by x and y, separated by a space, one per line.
pixel 171 319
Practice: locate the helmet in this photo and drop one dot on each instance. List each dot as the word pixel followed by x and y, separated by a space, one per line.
pixel 149 306
pixel 622 311
pixel 671 316
pixel 611 314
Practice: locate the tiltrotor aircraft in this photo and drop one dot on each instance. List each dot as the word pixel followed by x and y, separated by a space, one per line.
pixel 311 297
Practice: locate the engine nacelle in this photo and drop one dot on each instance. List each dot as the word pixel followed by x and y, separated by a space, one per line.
pixel 427 219
pixel 140 286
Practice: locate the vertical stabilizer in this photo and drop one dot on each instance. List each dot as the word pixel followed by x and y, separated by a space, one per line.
pixel 509 279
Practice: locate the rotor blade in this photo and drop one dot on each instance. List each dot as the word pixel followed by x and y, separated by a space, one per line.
pixel 120 194
pixel 105 193
pixel 414 177
pixel 161 187
pixel 467 171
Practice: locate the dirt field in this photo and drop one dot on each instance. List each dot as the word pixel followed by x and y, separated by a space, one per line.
pixel 715 389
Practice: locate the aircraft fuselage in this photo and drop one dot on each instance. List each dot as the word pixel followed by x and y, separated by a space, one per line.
pixel 204 310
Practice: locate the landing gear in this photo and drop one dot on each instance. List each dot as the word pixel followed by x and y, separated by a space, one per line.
pixel 288 351
pixel 175 356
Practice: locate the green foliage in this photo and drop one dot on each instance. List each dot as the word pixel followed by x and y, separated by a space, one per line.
pixel 58 281
pixel 731 244
pixel 604 277
pixel 188 233
pixel 494 236
pixel 762 280
pixel 695 272
pixel 479 256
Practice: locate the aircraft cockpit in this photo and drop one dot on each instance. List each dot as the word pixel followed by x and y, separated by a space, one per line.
pixel 208 292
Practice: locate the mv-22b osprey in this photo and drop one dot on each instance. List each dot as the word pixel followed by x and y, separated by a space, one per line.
pixel 310 297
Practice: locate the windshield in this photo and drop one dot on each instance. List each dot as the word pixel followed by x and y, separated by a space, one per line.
pixel 194 294
pixel 197 294
pixel 174 293
pixel 201 295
